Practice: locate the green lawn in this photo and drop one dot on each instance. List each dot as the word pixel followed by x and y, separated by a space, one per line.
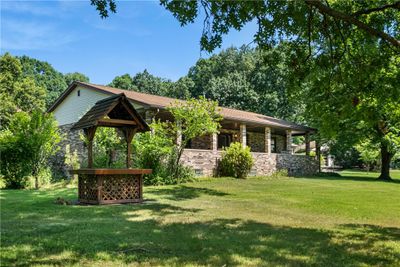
pixel 328 221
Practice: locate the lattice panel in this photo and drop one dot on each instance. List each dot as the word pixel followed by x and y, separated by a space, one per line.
pixel 87 187
pixel 121 187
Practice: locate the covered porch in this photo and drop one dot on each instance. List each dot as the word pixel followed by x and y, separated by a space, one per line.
pixel 260 138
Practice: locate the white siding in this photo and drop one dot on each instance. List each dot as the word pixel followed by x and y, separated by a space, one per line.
pixel 73 107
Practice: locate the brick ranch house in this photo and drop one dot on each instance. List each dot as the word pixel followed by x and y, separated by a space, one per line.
pixel 270 139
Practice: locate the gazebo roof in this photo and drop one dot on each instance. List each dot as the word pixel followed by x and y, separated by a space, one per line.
pixel 115 111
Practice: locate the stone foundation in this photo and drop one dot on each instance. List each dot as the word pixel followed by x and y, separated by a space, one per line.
pixel 204 162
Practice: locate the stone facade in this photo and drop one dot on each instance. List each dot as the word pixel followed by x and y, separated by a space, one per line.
pixel 204 162
pixel 76 144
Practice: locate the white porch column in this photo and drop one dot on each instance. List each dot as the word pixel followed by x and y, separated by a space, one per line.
pixel 149 115
pixel 289 141
pixel 307 140
pixel 243 133
pixel 267 140
pixel 214 142
pixel 178 133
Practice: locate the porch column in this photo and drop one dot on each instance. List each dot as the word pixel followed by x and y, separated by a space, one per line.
pixel 318 154
pixel 289 141
pixel 214 142
pixel 267 140
pixel 178 133
pixel 307 137
pixel 243 133
pixel 149 115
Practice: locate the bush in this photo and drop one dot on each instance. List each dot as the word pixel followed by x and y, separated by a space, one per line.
pixel 156 151
pixel 236 161
pixel 25 147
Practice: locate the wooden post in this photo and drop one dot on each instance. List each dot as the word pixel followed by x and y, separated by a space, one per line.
pixel 307 140
pixel 128 133
pixel 89 132
pixel 267 140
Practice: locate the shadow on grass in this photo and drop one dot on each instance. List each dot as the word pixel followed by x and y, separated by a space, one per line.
pixel 184 192
pixel 339 177
pixel 41 234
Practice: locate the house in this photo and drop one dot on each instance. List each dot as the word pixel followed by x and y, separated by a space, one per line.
pixel 270 139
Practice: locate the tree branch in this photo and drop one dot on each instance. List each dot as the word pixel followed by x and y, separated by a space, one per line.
pixel 323 9
pixel 395 5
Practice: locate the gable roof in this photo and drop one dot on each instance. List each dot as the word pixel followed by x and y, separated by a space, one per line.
pixel 120 111
pixel 162 102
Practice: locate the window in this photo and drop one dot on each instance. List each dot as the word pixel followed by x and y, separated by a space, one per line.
pixel 79 92
pixel 224 140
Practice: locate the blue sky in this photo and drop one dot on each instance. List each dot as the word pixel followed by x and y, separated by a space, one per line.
pixel 71 36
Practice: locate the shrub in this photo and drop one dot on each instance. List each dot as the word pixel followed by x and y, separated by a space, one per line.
pixel 156 151
pixel 236 161
pixel 26 145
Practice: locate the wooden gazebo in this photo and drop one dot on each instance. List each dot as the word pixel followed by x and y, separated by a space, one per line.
pixel 108 186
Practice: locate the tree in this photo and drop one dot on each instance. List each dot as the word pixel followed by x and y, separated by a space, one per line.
pixel 45 76
pixel 123 82
pixel 359 99
pixel 26 145
pixel 17 93
pixel 148 83
pixel 75 76
pixel 256 80
pixel 278 20
pixel 192 118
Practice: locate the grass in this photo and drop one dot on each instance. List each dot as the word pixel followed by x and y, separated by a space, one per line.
pixel 351 220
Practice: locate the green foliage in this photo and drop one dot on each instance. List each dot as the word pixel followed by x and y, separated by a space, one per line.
pixel 369 154
pixel 280 174
pixel 156 151
pixel 345 155
pixel 71 160
pixel 45 76
pixel 236 161
pixel 75 76
pixel 256 80
pixel 25 146
pixel 108 148
pixel 17 93
pixel 147 83
pixel 123 82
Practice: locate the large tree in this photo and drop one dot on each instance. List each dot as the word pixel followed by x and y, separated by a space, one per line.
pixel 17 93
pixel 75 76
pixel 345 55
pixel 44 75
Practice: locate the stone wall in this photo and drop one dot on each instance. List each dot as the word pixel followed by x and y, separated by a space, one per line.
pixel 204 162
pixel 73 139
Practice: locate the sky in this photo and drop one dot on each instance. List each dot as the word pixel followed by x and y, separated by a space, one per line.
pixel 71 36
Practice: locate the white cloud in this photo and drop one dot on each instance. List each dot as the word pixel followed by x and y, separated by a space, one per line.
pixel 27 7
pixel 23 35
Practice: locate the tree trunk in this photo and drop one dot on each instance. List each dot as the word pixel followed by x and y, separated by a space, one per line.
pixel 386 156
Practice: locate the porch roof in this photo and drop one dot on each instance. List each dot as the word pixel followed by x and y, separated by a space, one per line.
pixel 154 101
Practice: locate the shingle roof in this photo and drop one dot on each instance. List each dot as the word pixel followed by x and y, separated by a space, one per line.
pixel 115 107
pixel 162 102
